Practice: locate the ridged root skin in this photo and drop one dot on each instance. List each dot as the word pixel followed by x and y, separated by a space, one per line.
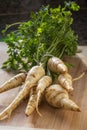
pixel 56 65
pixel 43 83
pixel 65 80
pixel 58 97
pixel 33 76
pixel 5 114
pixel 13 82
pixel 31 102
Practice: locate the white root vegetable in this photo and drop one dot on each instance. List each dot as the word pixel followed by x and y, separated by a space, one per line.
pixel 65 80
pixel 58 97
pixel 33 76
pixel 56 65
pixel 13 82
pixel 43 83
pixel 37 94
pixel 31 106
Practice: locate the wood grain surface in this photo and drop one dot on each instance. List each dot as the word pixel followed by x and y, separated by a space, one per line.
pixel 52 118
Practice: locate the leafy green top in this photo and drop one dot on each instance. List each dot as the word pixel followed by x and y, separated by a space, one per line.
pixel 47 33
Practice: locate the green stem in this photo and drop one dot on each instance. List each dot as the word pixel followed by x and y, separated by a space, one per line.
pixel 9 26
pixel 61 54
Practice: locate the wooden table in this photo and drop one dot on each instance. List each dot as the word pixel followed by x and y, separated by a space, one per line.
pixel 52 118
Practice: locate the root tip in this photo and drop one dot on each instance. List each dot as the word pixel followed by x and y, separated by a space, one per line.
pixel 38 111
pixel 28 112
pixel 79 110
pixel 70 89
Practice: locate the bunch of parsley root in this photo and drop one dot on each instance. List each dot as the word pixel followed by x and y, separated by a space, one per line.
pixel 36 49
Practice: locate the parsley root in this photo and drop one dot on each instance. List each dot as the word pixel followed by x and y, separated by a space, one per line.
pixel 43 83
pixel 36 95
pixel 65 80
pixel 13 82
pixel 56 65
pixel 47 34
pixel 31 103
pixel 32 78
pixel 58 97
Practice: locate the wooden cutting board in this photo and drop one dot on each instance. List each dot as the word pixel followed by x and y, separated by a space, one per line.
pixel 52 118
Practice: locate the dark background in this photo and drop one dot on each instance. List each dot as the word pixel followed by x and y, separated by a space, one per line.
pixel 12 11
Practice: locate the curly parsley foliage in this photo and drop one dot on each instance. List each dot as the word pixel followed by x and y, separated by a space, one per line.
pixel 48 32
